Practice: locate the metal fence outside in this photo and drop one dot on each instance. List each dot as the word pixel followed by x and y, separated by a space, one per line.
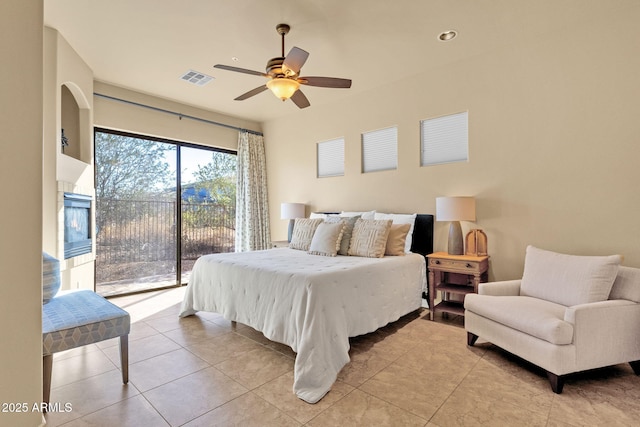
pixel 134 237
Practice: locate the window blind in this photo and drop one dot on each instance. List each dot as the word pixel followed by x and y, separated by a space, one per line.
pixel 331 158
pixel 380 150
pixel 445 139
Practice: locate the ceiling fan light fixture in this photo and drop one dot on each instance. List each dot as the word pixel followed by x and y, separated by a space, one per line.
pixel 283 72
pixel 283 87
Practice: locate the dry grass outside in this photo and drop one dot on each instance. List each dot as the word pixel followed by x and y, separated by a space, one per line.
pixel 129 259
pixel 137 241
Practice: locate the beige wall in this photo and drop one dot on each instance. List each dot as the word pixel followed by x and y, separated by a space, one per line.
pixel 553 131
pixel 68 89
pixel 21 105
pixel 131 118
pixel 50 149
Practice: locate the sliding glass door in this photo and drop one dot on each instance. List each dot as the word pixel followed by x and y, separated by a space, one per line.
pixel 208 204
pixel 159 205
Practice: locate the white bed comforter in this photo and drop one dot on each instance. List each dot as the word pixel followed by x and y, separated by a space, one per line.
pixel 311 303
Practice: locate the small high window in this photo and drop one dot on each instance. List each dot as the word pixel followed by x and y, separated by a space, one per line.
pixel 331 158
pixel 444 139
pixel 380 150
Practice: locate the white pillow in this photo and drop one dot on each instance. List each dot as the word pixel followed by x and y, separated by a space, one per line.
pixel 568 279
pixel 303 230
pixel 369 238
pixel 326 239
pixel 401 219
pixel 316 215
pixel 363 215
pixel 323 215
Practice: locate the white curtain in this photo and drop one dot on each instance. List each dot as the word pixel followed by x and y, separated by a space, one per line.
pixel 252 207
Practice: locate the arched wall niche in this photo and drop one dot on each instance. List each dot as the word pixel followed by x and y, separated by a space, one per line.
pixel 75 123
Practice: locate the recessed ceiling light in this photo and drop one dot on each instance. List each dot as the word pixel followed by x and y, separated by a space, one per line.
pixel 235 58
pixel 447 35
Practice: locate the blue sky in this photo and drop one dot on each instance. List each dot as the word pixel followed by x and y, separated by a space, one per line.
pixel 191 158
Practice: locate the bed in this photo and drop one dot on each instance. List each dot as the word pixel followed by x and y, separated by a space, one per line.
pixel 312 303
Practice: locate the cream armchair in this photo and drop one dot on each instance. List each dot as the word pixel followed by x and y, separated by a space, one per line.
pixel 567 314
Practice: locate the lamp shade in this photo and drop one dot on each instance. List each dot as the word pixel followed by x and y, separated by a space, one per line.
pixel 455 209
pixel 292 210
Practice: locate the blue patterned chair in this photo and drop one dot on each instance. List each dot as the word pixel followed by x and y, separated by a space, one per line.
pixel 75 319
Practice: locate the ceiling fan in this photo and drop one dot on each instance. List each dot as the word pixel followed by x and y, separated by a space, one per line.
pixel 283 73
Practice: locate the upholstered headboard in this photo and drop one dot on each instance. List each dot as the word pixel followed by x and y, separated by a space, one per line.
pixel 422 242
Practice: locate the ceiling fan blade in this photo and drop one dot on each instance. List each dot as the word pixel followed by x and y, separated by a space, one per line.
pixel 251 93
pixel 300 100
pixel 295 59
pixel 240 70
pixel 333 82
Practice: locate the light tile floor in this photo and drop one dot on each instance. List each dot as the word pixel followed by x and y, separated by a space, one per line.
pixel 205 371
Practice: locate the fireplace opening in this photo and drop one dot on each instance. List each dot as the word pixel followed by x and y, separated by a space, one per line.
pixel 77 224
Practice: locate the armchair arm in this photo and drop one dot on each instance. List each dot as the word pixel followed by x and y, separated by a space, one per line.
pixel 605 332
pixel 504 288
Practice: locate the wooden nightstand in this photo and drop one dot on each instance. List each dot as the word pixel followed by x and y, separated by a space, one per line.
pixel 454 275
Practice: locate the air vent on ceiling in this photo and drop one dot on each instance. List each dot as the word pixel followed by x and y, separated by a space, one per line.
pixel 196 78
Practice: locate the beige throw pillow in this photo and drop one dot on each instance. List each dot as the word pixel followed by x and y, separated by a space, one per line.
pixel 326 240
pixel 397 238
pixel 347 231
pixel 369 238
pixel 401 219
pixel 303 230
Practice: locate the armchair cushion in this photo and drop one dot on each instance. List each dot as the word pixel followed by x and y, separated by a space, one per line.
pixel 532 316
pixel 79 318
pixel 568 279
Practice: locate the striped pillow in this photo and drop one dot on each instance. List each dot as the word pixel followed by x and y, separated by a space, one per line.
pixel 303 230
pixel 50 277
pixel 369 238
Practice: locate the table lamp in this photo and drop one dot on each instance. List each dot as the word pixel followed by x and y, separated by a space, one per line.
pixel 455 209
pixel 291 211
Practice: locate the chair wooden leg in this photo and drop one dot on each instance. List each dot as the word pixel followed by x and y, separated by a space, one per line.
pixel 471 339
pixel 124 357
pixel 47 366
pixel 635 365
pixel 556 381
